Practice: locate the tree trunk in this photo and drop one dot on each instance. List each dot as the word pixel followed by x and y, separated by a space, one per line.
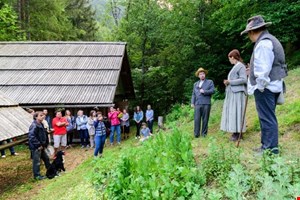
pixel 23 13
pixel 143 47
pixel 127 9
pixel 115 11
pixel 28 20
pixel 143 66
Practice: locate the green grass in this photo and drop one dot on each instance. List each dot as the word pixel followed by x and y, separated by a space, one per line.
pixel 212 151
pixel 78 184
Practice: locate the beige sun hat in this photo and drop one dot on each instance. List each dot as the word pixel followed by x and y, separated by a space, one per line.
pixel 201 70
pixel 255 22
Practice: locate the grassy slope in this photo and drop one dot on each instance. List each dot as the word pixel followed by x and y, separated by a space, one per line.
pixel 288 119
pixel 76 185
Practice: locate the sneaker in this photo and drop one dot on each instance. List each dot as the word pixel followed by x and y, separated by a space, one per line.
pixel 87 146
pixel 136 137
pixel 38 178
pixel 119 143
pixel 14 154
pixel 111 144
pixel 82 146
pixel 3 156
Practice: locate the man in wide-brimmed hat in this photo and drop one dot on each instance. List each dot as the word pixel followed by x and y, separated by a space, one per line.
pixel 267 70
pixel 201 101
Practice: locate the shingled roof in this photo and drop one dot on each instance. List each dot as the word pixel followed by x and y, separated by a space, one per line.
pixel 72 74
pixel 15 121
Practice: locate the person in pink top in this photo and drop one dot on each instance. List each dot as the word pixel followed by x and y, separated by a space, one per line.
pixel 113 116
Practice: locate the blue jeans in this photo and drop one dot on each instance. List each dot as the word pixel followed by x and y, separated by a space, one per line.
pixel 150 125
pixel 99 144
pixel 84 137
pixel 11 149
pixel 37 155
pixel 265 105
pixel 112 133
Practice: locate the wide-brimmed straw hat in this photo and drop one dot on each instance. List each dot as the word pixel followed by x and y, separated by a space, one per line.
pixel 201 70
pixel 255 22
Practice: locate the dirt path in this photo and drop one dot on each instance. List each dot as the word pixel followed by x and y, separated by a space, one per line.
pixel 16 180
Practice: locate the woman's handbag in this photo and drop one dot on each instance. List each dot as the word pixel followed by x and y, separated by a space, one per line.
pixel 120 115
pixel 280 99
pixel 49 151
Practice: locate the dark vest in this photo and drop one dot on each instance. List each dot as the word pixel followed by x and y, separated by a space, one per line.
pixel 279 68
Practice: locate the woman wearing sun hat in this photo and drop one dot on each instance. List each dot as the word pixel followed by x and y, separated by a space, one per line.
pixel 201 101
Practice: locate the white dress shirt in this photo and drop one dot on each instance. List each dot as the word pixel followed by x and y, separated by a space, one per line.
pixel 200 84
pixel 263 61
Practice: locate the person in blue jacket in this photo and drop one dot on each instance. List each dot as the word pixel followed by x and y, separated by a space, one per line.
pixel 138 118
pixel 38 142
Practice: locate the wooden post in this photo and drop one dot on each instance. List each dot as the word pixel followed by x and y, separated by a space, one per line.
pixel 160 122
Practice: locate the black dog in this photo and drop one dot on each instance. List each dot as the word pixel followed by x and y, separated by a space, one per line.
pixel 56 166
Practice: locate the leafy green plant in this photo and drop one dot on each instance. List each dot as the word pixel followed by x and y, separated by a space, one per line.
pixel 219 161
pixel 238 183
pixel 277 178
pixel 161 168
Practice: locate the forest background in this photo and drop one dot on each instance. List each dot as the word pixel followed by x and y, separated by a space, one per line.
pixel 167 40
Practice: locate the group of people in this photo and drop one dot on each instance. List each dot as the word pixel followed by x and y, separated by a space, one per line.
pixel 92 129
pixel 120 120
pixel 266 71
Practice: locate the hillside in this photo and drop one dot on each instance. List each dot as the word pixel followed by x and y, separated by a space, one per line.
pixel 174 165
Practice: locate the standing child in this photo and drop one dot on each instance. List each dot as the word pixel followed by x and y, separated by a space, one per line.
pixel 100 135
pixel 145 132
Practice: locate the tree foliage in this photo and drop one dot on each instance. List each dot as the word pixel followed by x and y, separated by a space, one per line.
pixel 82 16
pixel 168 40
pixel 55 19
pixel 48 21
pixel 9 27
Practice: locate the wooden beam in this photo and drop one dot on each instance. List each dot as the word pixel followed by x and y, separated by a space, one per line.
pixel 21 140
